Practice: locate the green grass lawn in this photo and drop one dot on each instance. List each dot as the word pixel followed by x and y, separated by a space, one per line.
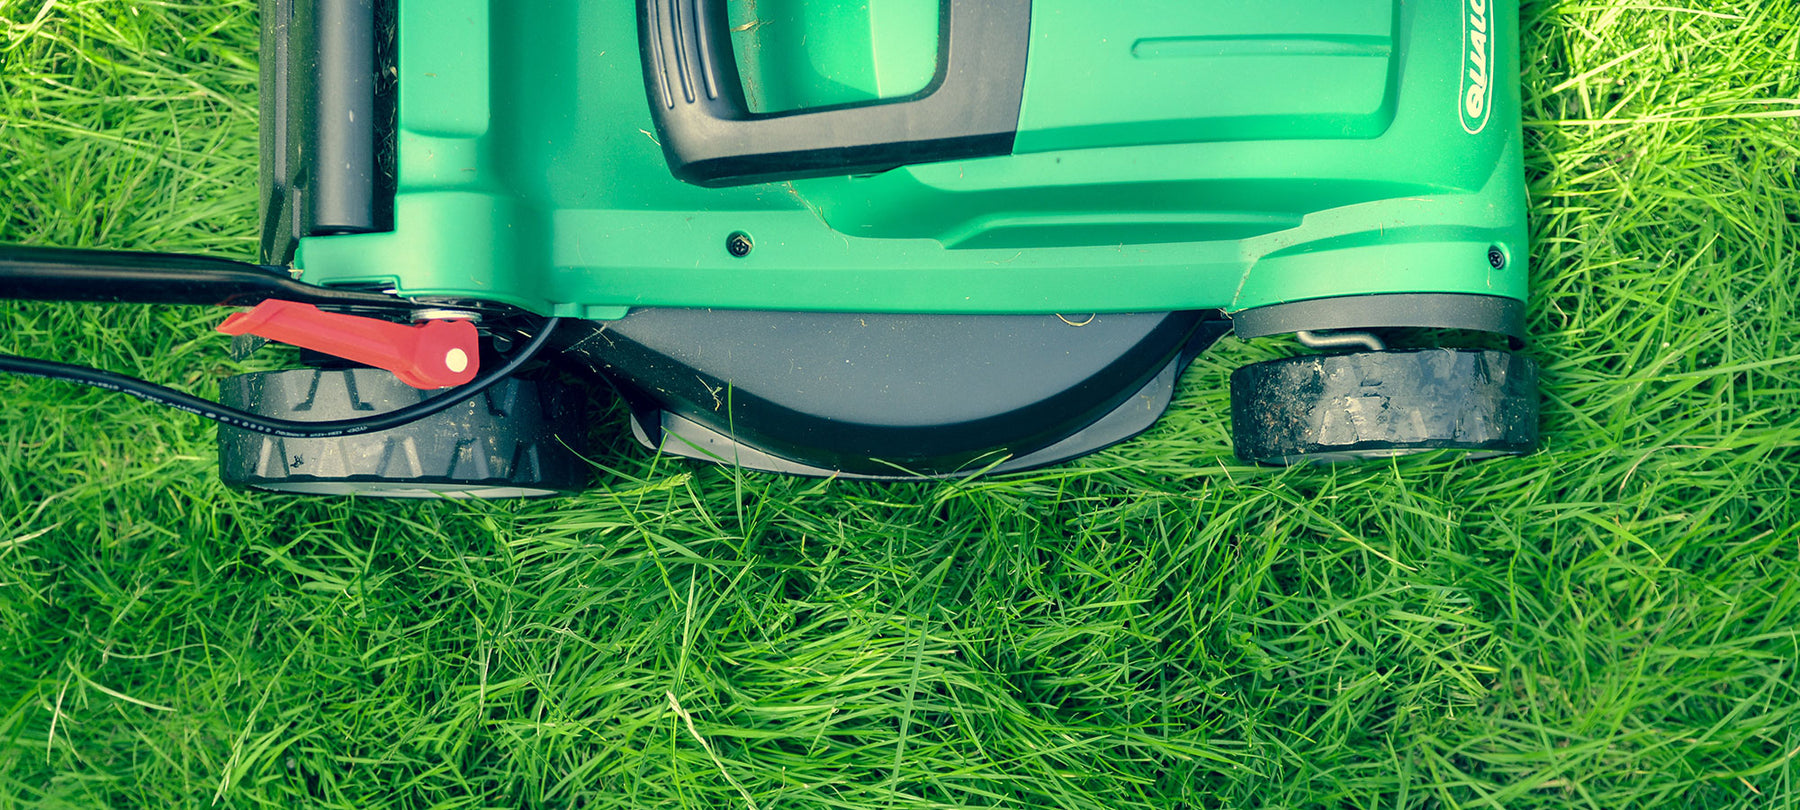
pixel 1611 622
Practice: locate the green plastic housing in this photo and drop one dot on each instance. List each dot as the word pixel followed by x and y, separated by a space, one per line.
pixel 1170 156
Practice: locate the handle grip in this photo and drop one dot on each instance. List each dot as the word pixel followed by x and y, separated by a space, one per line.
pixel 711 138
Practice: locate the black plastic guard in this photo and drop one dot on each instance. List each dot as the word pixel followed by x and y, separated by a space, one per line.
pixel 892 396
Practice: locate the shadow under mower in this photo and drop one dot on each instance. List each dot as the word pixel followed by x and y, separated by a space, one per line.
pixel 877 240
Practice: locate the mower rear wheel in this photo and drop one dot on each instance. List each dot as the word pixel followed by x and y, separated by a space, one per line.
pixel 1384 403
pixel 519 439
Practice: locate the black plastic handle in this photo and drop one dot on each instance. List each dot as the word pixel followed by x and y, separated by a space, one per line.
pixel 711 138
pixel 127 277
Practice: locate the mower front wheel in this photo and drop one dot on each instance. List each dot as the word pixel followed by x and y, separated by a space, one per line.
pixel 518 439
pixel 1380 404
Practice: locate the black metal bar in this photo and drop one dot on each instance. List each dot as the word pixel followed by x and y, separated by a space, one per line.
pixel 340 63
pixel 120 277
pixel 276 211
pixel 328 118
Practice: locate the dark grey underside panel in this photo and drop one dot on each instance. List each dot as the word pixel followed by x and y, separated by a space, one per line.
pixel 685 437
pixel 1484 313
pixel 892 396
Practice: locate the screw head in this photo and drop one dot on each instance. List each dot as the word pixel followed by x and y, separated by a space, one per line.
pixel 1496 259
pixel 738 244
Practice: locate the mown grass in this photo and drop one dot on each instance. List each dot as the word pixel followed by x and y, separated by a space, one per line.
pixel 1608 623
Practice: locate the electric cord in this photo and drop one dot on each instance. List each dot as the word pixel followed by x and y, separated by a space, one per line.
pixel 284 428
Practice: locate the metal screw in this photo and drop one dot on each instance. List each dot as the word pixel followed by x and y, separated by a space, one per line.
pixel 1496 258
pixel 738 244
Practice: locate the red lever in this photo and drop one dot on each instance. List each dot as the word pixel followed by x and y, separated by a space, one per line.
pixel 434 354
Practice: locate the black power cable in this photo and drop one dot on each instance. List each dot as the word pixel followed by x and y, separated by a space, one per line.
pixel 285 428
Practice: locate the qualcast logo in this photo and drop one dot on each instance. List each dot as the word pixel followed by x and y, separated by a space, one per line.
pixel 1478 67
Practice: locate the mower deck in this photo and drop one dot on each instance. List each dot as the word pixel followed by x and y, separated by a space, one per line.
pixel 893 238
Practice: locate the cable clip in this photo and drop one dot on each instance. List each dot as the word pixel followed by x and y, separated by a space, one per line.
pixel 434 354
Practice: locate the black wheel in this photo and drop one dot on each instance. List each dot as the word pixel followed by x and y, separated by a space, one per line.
pixel 519 439
pixel 1381 404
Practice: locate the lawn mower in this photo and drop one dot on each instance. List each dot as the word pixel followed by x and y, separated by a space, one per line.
pixel 881 240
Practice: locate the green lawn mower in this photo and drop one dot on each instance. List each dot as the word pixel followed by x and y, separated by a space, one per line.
pixel 885 239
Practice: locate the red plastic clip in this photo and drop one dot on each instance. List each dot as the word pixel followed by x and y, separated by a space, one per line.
pixel 434 354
